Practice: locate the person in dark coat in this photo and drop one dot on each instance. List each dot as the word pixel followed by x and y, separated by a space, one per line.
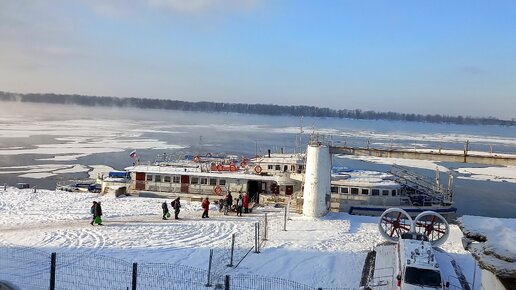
pixel 92 211
pixel 176 205
pixel 221 204
pixel 239 204
pixel 205 206
pixel 98 211
pixel 226 205
pixel 229 200
pixel 164 206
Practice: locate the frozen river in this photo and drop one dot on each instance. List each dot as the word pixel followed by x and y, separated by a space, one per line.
pixel 42 144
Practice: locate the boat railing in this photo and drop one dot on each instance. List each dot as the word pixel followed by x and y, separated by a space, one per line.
pixel 382 200
pixel 421 185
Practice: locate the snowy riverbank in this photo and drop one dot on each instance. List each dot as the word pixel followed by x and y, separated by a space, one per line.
pixel 493 241
pixel 327 252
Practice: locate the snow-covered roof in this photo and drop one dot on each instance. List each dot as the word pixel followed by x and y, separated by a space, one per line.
pixel 280 159
pixel 364 178
pixel 197 172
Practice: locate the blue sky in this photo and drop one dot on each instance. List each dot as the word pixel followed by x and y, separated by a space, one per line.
pixel 443 57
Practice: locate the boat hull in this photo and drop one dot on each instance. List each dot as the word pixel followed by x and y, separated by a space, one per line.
pixel 449 213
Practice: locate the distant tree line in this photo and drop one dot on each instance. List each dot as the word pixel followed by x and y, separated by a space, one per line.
pixel 261 109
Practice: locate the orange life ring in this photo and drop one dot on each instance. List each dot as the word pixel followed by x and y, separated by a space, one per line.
pixel 232 167
pixel 220 167
pixel 217 190
pixel 258 169
pixel 196 159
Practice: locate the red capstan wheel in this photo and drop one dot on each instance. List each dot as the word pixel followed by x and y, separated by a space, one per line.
pixel 220 167
pixel 258 169
pixel 393 223
pixel 232 167
pixel 434 226
pixel 217 190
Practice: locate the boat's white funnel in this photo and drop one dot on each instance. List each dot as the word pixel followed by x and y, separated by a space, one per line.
pixel 316 195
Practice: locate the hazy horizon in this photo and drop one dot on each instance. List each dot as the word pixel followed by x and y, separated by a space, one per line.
pixel 440 57
pixel 145 108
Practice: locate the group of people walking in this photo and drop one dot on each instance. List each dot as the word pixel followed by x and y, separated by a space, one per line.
pixel 238 204
pixel 176 206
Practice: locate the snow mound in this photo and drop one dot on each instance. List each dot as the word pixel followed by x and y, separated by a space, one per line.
pixel 495 242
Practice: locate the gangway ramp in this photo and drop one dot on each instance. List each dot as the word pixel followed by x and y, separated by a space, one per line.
pixel 384 268
pixel 421 184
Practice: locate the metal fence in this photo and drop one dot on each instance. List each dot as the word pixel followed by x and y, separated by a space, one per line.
pixel 89 271
pixel 27 268
pixel 255 282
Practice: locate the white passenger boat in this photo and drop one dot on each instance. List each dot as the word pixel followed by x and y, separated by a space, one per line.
pixel 275 178
pixel 362 192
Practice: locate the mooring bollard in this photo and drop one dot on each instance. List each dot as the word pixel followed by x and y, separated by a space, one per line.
pixel 5 186
pixel 34 189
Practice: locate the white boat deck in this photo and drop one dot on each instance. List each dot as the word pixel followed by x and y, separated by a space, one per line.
pixel 384 268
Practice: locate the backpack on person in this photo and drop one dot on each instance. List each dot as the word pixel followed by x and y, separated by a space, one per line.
pixel 92 210
pixel 173 204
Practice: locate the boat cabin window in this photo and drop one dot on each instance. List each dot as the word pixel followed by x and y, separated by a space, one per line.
pixel 195 180
pixel 222 182
pixel 166 178
pixel 204 180
pixel 285 168
pixel 278 167
pixel 393 192
pixel 157 178
pixel 149 177
pixel 344 190
pixel 175 179
pixel 213 181
pixel 365 191
pixel 293 168
pixel 422 277
pixel 354 190
pixel 334 189
pixel 269 167
pixel 375 192
pixel 385 192
pixel 300 167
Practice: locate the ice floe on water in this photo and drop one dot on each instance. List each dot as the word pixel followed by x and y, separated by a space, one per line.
pixel 424 164
pixel 501 174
